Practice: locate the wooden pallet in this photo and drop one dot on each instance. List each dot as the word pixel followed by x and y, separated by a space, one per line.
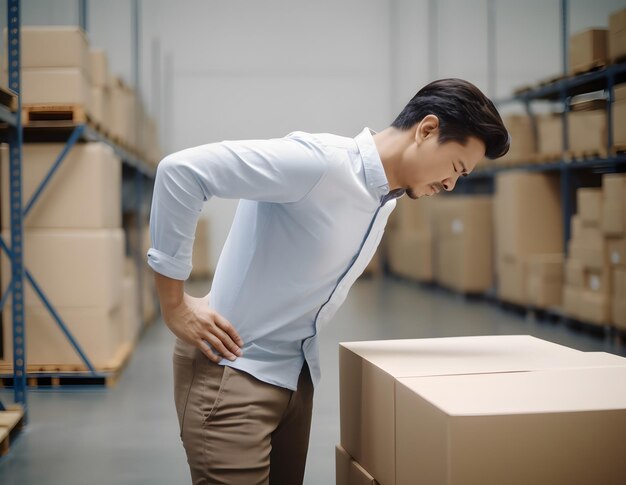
pixel 38 114
pixel 618 150
pixel 11 423
pixel 584 155
pixel 547 81
pixel 55 376
pixel 541 158
pixel 8 98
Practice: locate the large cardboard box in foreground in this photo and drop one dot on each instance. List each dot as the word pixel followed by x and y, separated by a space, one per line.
pixel 74 268
pixel 547 427
pixel 350 472
pixel 369 373
pixel 84 192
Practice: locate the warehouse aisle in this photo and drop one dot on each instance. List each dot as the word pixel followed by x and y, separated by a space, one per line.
pixel 128 435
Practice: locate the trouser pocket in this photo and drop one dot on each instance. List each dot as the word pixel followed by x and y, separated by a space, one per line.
pixel 184 373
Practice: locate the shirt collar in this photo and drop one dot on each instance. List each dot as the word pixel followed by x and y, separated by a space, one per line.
pixel 375 177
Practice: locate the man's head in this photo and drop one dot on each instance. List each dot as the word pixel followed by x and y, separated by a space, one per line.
pixel 443 132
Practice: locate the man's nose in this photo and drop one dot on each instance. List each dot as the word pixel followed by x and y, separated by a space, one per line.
pixel 449 184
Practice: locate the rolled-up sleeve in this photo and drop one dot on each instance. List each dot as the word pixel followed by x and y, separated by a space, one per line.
pixel 281 170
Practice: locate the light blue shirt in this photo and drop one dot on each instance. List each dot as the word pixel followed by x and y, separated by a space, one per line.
pixel 312 212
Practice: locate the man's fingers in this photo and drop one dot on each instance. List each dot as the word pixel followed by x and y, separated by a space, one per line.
pixel 227 341
pixel 206 350
pixel 225 325
pixel 217 344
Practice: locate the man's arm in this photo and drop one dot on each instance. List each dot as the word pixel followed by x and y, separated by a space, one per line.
pixel 279 170
pixel 192 320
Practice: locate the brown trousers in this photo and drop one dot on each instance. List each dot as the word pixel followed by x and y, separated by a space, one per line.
pixel 238 430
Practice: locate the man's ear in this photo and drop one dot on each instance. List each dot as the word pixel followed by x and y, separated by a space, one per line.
pixel 428 126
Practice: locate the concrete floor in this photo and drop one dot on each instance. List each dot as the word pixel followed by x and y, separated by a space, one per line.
pixel 128 434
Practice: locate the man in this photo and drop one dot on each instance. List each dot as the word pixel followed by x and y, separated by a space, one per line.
pixel 312 212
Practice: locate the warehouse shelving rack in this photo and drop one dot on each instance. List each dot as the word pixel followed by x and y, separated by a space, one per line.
pixel 569 169
pixel 72 135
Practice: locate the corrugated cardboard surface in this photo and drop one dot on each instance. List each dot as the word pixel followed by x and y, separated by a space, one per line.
pixel 60 86
pixel 369 370
pixel 98 331
pixel 617 35
pixel 463 243
pixel 84 192
pixel 76 268
pixel 410 255
pixel 520 198
pixel 586 48
pixel 518 428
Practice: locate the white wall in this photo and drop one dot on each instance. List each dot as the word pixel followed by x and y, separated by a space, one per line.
pixel 249 69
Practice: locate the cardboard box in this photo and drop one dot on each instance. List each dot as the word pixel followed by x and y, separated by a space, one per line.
pixel 514 428
pixel 617 251
pixel 54 46
pixel 587 131
pixel 412 216
pixel 544 283
pixel 587 49
pixel 369 371
pixel 576 226
pixel 618 316
pixel 56 86
pixel 99 68
pixel 74 268
pixel 595 307
pixel 464 247
pixel 619 283
pixel 598 281
pixel 571 301
pixel 98 100
pixel 617 35
pixel 123 112
pixel 574 273
pixel 410 255
pixel 589 202
pixel 512 281
pixel 550 132
pixel 619 121
pixel 523 145
pixel 97 330
pixel 613 219
pixel 619 92
pixel 520 198
pixel 349 472
pixel 84 192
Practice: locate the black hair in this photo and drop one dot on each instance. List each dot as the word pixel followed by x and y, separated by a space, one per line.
pixel 463 111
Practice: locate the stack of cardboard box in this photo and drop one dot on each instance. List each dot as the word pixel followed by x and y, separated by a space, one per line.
pixel 587 127
pixel 619 117
pixel 521 130
pixel 588 49
pixel 464 243
pixel 587 291
pixel 74 249
pixel 614 230
pixel 409 240
pixel 544 282
pixel 490 410
pixel 528 222
pixel 56 68
pixel 100 89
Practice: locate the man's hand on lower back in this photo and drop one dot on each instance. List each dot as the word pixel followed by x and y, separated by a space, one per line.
pixel 196 323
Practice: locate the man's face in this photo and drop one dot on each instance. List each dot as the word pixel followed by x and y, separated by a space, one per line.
pixel 428 167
